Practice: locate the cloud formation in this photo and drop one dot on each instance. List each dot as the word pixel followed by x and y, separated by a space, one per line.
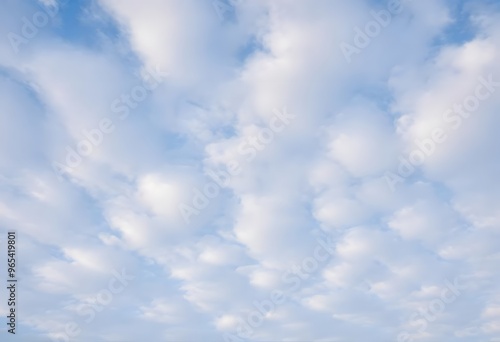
pixel 227 171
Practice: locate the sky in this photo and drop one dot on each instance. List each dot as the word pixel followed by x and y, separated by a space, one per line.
pixel 250 170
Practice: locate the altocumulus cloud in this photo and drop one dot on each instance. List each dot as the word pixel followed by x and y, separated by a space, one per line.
pixel 371 89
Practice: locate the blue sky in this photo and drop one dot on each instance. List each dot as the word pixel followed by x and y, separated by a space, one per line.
pixel 251 170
